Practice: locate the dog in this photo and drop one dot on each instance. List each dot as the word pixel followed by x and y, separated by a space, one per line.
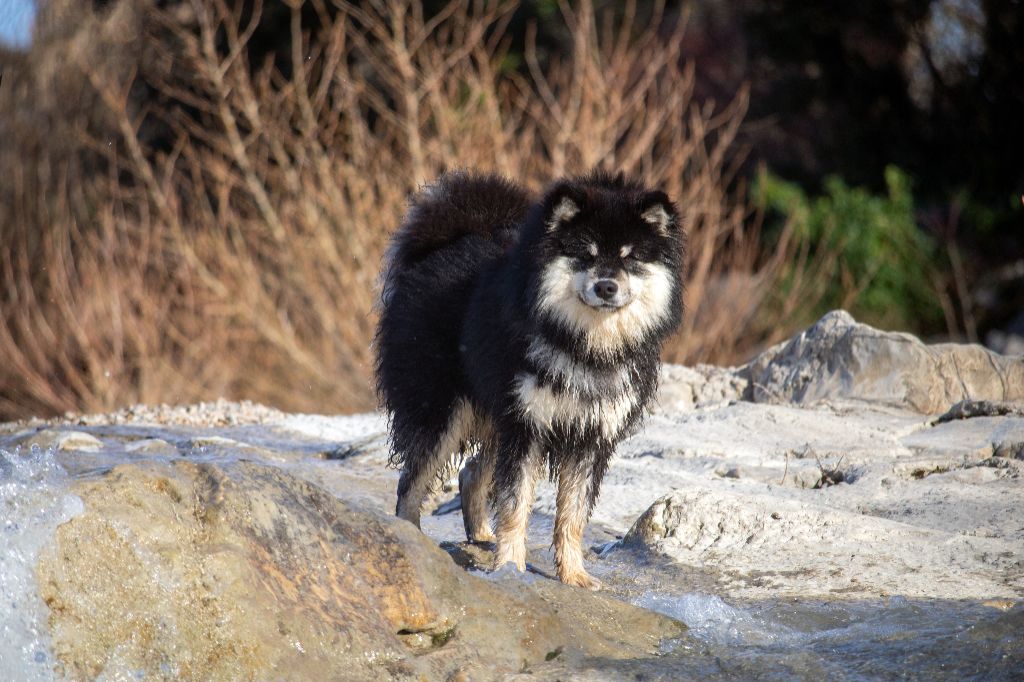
pixel 524 333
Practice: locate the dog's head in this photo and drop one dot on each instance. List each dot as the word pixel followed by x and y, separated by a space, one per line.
pixel 609 260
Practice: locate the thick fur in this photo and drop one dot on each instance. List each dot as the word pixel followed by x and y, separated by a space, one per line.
pixel 527 334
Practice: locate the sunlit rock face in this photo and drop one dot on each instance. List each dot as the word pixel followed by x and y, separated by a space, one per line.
pixel 241 571
pixel 840 359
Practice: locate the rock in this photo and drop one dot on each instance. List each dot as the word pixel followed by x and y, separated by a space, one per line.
pixel 967 440
pixel 791 548
pixel 839 359
pixel 241 571
pixel 832 487
pixel 59 439
pixel 968 409
pixel 219 412
pixel 151 446
pixel 210 446
pixel 682 389
pixel 213 442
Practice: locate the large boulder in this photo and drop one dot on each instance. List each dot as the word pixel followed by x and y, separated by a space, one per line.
pixel 191 570
pixel 840 359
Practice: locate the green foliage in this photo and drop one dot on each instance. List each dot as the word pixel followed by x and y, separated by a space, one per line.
pixel 881 263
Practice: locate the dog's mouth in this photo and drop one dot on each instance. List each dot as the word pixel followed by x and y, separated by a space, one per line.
pixel 604 306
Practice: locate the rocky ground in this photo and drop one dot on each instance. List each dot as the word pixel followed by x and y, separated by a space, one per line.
pixel 845 467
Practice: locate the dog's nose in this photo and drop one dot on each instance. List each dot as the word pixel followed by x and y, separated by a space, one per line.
pixel 606 288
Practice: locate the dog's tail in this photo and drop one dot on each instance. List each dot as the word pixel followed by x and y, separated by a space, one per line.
pixel 455 205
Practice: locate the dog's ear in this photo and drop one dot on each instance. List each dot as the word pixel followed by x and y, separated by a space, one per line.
pixel 562 203
pixel 658 211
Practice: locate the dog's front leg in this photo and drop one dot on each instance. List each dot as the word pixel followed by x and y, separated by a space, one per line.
pixel 515 481
pixel 577 486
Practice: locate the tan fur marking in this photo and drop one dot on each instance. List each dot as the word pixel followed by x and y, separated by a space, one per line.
pixel 514 515
pixel 563 211
pixel 572 513
pixel 658 217
pixel 460 428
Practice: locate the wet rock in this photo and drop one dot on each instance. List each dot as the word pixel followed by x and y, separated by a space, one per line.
pixel 60 439
pixel 241 571
pixel 151 446
pixel 355 448
pixel 839 359
pixel 208 446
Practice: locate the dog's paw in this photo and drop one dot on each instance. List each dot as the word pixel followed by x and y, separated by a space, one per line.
pixel 582 579
pixel 482 537
pixel 504 555
pixel 500 565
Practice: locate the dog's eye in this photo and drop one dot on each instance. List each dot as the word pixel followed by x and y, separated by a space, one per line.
pixel 581 253
pixel 639 254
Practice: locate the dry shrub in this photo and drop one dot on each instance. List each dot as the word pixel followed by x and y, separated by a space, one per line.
pixel 239 260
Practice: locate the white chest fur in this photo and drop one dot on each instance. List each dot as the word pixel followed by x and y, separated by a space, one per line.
pixel 545 408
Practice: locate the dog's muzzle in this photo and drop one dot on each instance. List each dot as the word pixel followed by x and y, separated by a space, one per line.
pixel 605 294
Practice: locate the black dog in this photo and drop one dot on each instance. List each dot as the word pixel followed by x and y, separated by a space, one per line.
pixel 529 333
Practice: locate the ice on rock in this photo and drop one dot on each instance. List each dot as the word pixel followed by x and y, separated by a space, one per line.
pixel 34 500
pixel 712 620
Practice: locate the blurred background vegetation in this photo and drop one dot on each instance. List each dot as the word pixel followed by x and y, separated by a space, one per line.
pixel 194 194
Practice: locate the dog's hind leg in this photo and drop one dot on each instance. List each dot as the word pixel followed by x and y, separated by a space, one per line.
pixel 578 484
pixel 474 488
pixel 421 471
pixel 414 486
pixel 515 479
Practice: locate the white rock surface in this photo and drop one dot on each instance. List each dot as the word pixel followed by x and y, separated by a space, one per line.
pixel 769 544
pixel 874 496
